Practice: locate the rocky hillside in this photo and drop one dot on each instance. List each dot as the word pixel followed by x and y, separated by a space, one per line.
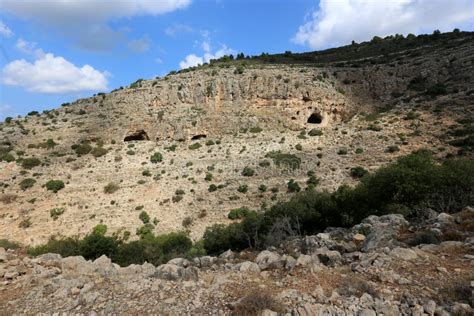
pixel 382 266
pixel 179 152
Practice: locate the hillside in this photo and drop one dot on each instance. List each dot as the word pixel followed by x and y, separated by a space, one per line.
pixel 327 112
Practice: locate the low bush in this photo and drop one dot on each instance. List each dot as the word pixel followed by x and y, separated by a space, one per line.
pixel 27 183
pixel 54 185
pixel 56 212
pixel 99 152
pixel 144 217
pixel 156 157
pixel 248 172
pixel 358 172
pixel 239 213
pixel 111 188
pixel 315 132
pixel 284 159
pixel 82 149
pixel 412 182
pixel 30 163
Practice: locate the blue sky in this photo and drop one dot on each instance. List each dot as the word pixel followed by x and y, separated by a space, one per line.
pixel 55 51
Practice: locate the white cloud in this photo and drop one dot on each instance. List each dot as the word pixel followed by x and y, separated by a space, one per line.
pixel 5 31
pixel 29 48
pixel 191 61
pixel 139 45
pixel 340 22
pixel 85 21
pixel 194 60
pixel 53 74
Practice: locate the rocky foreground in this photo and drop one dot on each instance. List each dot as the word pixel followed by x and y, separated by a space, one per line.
pixel 370 269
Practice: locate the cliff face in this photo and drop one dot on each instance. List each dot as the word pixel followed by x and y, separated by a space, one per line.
pixel 409 101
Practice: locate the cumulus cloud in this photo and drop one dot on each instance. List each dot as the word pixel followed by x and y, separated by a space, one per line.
pixel 53 74
pixel 85 21
pixel 194 60
pixel 5 31
pixel 339 22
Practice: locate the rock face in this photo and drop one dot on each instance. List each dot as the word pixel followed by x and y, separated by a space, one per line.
pixel 382 231
pixel 218 120
pixel 401 280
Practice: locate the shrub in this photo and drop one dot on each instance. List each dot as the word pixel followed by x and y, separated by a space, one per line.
pixel 262 188
pixel 256 302
pixel 280 158
pixel 99 152
pixel 208 176
pixel 437 89
pixel 392 149
pixel 54 185
pixel 27 183
pixel 195 146
pixel 7 244
pixel 359 151
pixel 56 212
pixel 111 188
pixel 156 157
pixel 7 157
pixel 264 163
pixel 255 129
pixel 248 172
pixel 315 132
pixel 358 172
pixel 187 221
pixel 144 217
pixel 342 151
pixel 298 147
pixel 239 213
pixel 82 149
pixel 243 188
pixel 293 186
pixel 212 188
pixel 176 198
pixel 30 163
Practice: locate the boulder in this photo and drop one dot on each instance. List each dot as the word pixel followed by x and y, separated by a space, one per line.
pixel 329 258
pixel 3 255
pixel 403 253
pixel 248 266
pixel 174 272
pixel 227 255
pixel 180 262
pixel 383 231
pixel 205 261
pixel 269 260
pixel 76 265
pixel 104 266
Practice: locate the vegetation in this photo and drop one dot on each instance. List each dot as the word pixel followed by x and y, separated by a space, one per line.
pixel 111 188
pixel 239 213
pixel 412 182
pixel 27 183
pixel 150 248
pixel 30 163
pixel 195 146
pixel 285 159
pixel 248 172
pixel 156 157
pixel 56 212
pixel 54 185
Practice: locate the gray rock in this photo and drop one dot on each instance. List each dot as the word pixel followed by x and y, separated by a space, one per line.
pixel 3 255
pixel 169 272
pixel 329 258
pixel 205 261
pixel 104 266
pixel 304 260
pixel 180 262
pixel 269 260
pixel 404 253
pixel 76 265
pixel 248 266
pixel 383 231
pixel 229 254
pixel 366 312
pixel 429 307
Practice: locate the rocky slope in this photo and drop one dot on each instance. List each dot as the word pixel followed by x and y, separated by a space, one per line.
pixel 364 113
pixel 369 269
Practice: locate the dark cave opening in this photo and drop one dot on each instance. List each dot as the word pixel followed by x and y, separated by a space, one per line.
pixel 199 136
pixel 138 135
pixel 315 118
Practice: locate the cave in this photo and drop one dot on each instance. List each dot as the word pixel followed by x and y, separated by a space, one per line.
pixel 138 135
pixel 315 118
pixel 199 136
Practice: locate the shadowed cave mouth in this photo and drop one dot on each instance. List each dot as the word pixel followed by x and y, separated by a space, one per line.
pixel 199 136
pixel 138 135
pixel 315 118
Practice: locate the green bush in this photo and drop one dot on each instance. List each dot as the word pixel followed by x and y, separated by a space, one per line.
pixel 7 157
pixel 54 185
pixel 111 188
pixel 27 183
pixel 212 188
pixel 411 182
pixel 56 212
pixel 243 188
pixel 255 129
pixel 358 172
pixel 208 176
pixel 239 213
pixel 82 149
pixel 285 159
pixel 293 186
pixel 156 157
pixel 30 163
pixel 194 146
pixel 315 132
pixel 144 217
pixel 248 172
pixel 99 152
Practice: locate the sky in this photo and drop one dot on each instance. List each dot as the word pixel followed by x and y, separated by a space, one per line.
pixel 56 51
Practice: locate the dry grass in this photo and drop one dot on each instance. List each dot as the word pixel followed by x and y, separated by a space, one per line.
pixel 255 302
pixel 8 198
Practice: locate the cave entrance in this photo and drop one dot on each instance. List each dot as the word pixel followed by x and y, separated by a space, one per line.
pixel 138 135
pixel 315 118
pixel 199 136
